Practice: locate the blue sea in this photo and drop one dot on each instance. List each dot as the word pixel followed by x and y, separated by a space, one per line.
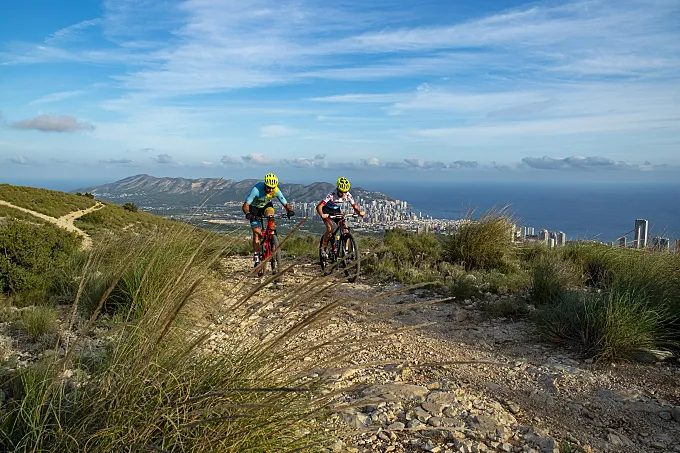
pixel 599 211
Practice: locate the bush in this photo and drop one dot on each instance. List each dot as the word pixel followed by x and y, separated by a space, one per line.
pixel 129 206
pixel 32 256
pixel 606 325
pixel 405 256
pixel 485 243
pixel 550 277
pixel 38 321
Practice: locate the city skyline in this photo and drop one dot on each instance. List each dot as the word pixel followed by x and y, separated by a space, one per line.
pixel 434 90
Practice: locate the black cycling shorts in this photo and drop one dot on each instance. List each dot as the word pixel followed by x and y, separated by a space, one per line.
pixel 331 211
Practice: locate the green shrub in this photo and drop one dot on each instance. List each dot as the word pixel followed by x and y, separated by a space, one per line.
pixel 32 256
pixel 550 277
pixel 38 321
pixel 606 325
pixel 129 206
pixel 485 243
pixel 406 256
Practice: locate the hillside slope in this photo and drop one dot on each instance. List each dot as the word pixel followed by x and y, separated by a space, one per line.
pixel 146 189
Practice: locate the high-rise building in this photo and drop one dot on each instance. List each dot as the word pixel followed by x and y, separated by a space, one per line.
pixel 641 230
pixel 543 235
pixel 676 246
pixel 561 238
pixel 551 242
pixel 529 231
pixel 622 242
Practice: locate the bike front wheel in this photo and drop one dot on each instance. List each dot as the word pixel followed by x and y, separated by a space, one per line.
pixel 275 262
pixel 326 260
pixel 351 261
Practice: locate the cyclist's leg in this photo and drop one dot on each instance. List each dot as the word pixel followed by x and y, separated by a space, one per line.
pixel 329 224
pixel 257 233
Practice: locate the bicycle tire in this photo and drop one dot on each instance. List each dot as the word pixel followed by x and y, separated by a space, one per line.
pixel 326 261
pixel 275 262
pixel 351 259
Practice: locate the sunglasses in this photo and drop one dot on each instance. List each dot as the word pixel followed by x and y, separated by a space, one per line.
pixel 268 188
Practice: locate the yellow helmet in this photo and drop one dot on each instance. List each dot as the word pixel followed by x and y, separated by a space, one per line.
pixel 343 184
pixel 271 180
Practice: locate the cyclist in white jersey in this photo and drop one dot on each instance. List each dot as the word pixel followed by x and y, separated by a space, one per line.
pixel 330 206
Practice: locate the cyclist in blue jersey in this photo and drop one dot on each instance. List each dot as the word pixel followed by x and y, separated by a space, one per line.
pixel 259 203
pixel 330 206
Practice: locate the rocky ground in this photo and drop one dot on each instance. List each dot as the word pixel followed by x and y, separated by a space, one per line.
pixel 462 382
pixel 444 377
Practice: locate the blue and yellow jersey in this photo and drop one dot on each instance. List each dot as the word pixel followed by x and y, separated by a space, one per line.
pixel 259 198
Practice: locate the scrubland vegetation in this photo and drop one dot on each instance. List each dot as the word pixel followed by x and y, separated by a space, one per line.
pixel 134 358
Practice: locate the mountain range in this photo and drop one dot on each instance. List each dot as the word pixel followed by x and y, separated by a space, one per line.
pixel 149 190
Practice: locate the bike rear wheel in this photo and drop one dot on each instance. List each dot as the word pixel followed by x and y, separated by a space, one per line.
pixel 350 257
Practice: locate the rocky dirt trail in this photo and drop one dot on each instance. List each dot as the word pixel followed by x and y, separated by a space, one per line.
pixel 65 221
pixel 462 382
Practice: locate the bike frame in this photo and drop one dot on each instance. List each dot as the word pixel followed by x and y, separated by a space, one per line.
pixel 343 227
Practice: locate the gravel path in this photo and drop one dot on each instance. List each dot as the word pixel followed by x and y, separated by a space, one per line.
pixel 517 395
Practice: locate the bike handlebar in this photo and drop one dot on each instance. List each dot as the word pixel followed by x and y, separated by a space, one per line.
pixel 270 217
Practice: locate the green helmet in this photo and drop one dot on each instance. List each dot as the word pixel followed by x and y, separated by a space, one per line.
pixel 271 180
pixel 343 184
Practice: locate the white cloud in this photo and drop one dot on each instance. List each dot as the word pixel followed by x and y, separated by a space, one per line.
pixel 257 159
pixel 20 160
pixel 581 163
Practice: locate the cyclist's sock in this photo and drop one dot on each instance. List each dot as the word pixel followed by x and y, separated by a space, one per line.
pixel 256 258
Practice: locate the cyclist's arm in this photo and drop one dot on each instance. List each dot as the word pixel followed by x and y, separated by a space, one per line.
pixel 319 207
pixel 246 207
pixel 282 199
pixel 251 196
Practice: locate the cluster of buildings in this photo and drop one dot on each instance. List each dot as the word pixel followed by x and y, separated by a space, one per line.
pixel 384 214
pixel 528 234
pixel 640 239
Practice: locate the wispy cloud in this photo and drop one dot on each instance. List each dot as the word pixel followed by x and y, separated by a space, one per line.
pixel 500 83
pixel 54 123
pixel 56 97
pixel 72 32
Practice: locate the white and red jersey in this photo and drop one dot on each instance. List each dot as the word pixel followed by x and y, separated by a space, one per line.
pixel 334 201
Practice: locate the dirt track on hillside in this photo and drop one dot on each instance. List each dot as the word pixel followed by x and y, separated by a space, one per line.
pixel 65 221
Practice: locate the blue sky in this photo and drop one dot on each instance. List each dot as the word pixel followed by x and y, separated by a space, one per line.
pixel 383 90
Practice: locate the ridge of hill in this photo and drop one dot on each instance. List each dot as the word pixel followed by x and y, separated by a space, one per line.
pixel 146 189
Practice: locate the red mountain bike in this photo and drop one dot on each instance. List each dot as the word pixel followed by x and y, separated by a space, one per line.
pixel 269 245
pixel 341 249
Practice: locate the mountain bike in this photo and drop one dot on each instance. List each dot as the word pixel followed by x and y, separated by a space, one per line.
pixel 269 245
pixel 341 251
